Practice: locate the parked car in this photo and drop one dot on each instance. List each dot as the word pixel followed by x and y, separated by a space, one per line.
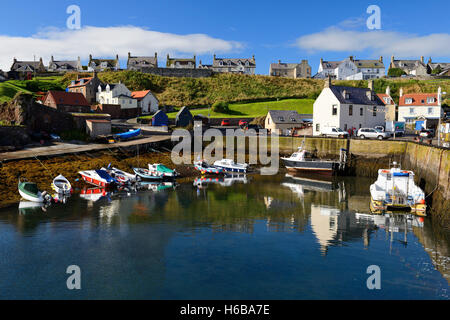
pixel 225 122
pixel 372 133
pixel 334 132
pixel 243 123
pixel 426 133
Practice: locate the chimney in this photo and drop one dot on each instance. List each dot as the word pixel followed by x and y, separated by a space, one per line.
pixel 117 57
pixel 392 59
pixel 168 57
pixel 370 85
pixel 253 57
pixel 421 59
pixel 351 58
pixel 214 56
pixel 327 82
pixel 279 61
pixel 381 59
pixel 321 60
pixel 129 55
pixel 90 57
pixel 388 91
pixel 51 59
pixel 401 92
pixel 156 55
pixel 429 60
pixel 95 74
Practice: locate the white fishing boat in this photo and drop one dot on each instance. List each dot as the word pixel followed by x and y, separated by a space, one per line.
pixel 299 161
pixel 122 177
pixel 229 165
pixel 395 190
pixel 160 170
pixel 61 185
pixel 29 191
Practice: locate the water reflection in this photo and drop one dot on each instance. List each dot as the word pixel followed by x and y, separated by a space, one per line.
pixel 333 213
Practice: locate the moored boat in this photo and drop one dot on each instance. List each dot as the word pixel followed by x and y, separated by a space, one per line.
pixel 98 178
pixel 128 135
pixel 395 190
pixel 229 165
pixel 61 185
pixel 205 168
pixel 161 170
pixel 29 191
pixel 299 161
pixel 146 174
pixel 122 177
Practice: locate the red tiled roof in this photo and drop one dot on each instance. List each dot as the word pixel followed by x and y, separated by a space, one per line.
pixel 384 95
pixel 139 94
pixel 418 99
pixel 77 82
pixel 68 98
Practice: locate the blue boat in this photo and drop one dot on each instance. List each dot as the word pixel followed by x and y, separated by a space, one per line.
pixel 128 135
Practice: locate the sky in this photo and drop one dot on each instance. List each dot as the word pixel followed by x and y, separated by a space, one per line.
pixel 289 31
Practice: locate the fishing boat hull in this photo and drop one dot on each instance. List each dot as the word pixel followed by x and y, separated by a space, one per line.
pixel 61 185
pixel 128 135
pixel 208 169
pixel 229 166
pixel 380 207
pixel 29 191
pixel 146 174
pixel 316 167
pixel 33 198
pixel 160 170
pixel 98 178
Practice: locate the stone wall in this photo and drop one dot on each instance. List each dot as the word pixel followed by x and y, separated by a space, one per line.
pixel 174 72
pixel 12 137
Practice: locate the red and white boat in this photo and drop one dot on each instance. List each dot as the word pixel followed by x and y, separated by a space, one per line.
pixel 98 178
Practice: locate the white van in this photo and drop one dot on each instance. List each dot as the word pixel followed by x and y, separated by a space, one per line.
pixel 334 132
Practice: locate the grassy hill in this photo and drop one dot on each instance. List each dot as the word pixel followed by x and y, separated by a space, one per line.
pixel 232 88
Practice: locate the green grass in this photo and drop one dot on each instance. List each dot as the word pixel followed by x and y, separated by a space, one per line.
pixel 253 110
pixel 9 89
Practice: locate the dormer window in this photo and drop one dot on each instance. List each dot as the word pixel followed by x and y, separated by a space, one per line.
pixel 408 100
pixel 246 64
pixel 221 63
pixel 229 63
pixel 430 100
pixel 386 100
pixel 293 119
pixel 280 119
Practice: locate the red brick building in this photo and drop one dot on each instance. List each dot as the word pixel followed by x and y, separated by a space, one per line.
pixel 67 101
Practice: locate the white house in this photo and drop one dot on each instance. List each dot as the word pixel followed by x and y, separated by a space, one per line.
pixel 347 108
pixel 351 69
pixel 117 94
pixel 146 101
pixel 420 106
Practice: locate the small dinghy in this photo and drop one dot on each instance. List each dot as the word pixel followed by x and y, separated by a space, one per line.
pixel 229 165
pixel 205 168
pixel 128 135
pixel 61 185
pixel 29 191
pixel 158 170
pixel 99 178
pixel 146 174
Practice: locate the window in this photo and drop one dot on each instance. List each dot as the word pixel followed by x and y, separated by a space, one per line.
pixel 411 110
pixel 361 112
pixel 334 110
pixel 360 125
pixel 350 110
pixel 293 119
pixel 408 100
pixel 430 110
pixel 317 127
pixel 345 127
pixel 430 100
pixel 386 100
pixel 280 119
pixel 374 111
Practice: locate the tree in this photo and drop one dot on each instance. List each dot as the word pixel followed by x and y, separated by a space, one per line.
pixel 396 72
pixel 220 107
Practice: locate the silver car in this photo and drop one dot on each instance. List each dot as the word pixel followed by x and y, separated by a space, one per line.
pixel 371 133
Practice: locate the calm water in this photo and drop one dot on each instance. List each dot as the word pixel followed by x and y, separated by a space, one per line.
pixel 254 238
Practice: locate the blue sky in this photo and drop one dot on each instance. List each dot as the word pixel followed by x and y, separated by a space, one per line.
pixel 286 30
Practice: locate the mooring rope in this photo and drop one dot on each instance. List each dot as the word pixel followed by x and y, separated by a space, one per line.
pixel 51 173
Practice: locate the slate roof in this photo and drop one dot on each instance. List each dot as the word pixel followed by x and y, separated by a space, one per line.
pixel 407 64
pixel 287 116
pixel 330 64
pixel 418 99
pixel 68 98
pixel 283 66
pixel 369 64
pixel 233 62
pixel 69 65
pixel 142 62
pixel 25 65
pixel 356 96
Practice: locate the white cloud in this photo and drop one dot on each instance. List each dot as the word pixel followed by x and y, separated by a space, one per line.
pixel 107 42
pixel 378 42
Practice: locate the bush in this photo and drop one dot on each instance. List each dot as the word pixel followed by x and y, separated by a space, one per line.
pixel 396 72
pixel 220 107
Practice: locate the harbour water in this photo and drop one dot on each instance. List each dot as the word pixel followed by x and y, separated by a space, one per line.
pixel 253 237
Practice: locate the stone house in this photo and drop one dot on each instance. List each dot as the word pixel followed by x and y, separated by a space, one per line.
pixel 290 70
pixel 389 104
pixel 64 66
pixel 351 69
pixel 228 65
pixel 346 108
pixel 67 101
pixel 410 67
pixel 182 63
pixel 138 63
pixel 420 106
pixel 147 102
pixel 100 65
pixel 437 67
pixel 25 69
pixel 95 128
pixel 87 87
pixel 284 122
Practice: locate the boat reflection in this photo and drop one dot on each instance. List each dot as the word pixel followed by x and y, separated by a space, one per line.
pixel 28 207
pixel 226 181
